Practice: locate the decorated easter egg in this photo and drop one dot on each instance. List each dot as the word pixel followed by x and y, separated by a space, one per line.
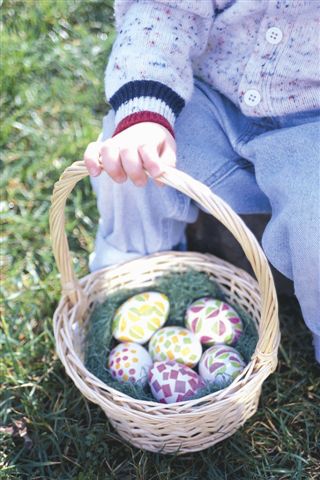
pixel 221 364
pixel 177 344
pixel 130 362
pixel 140 316
pixel 172 382
pixel 214 321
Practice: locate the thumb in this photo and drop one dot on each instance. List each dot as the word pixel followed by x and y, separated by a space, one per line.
pixel 168 156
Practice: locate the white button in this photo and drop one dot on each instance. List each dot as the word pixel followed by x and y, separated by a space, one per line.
pixel 274 35
pixel 252 98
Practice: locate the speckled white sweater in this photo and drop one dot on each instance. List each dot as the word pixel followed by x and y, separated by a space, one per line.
pixel 262 54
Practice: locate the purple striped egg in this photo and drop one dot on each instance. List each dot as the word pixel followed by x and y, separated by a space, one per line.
pixel 221 364
pixel 172 382
pixel 214 321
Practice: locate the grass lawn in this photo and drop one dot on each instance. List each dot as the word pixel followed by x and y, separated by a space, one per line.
pixel 53 54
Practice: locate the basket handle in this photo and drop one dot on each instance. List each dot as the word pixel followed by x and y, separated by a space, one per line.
pixel 203 196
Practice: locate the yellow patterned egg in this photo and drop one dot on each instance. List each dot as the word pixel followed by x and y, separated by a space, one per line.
pixel 137 319
pixel 175 344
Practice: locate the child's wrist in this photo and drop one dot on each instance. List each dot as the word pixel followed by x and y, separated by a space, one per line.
pixel 140 117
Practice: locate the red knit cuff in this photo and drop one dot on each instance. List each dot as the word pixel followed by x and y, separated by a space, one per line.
pixel 139 117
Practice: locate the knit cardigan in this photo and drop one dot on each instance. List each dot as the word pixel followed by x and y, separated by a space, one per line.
pixel 261 54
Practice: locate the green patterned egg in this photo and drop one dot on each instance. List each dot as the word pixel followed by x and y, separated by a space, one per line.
pixel 175 344
pixel 137 319
pixel 220 365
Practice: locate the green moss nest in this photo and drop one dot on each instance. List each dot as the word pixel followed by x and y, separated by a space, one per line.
pixel 182 289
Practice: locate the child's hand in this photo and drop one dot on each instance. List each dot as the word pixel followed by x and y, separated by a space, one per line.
pixel 144 146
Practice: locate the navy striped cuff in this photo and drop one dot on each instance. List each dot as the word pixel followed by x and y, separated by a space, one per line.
pixel 147 88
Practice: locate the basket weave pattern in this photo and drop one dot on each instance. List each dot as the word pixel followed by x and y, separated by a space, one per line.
pixel 185 426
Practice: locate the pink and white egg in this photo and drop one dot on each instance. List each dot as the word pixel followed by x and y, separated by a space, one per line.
pixel 172 382
pixel 130 362
pixel 221 364
pixel 214 321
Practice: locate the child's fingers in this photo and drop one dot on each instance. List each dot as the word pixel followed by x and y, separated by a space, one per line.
pixel 151 160
pixel 132 165
pixel 111 161
pixel 91 158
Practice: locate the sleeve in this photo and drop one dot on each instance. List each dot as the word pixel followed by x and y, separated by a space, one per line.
pixel 149 74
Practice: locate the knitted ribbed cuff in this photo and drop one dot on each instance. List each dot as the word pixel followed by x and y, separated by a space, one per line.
pixel 146 96
pixel 140 117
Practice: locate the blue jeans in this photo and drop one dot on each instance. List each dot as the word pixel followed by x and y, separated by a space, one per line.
pixel 257 165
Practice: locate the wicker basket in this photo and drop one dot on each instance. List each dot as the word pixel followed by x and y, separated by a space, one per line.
pixel 186 426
